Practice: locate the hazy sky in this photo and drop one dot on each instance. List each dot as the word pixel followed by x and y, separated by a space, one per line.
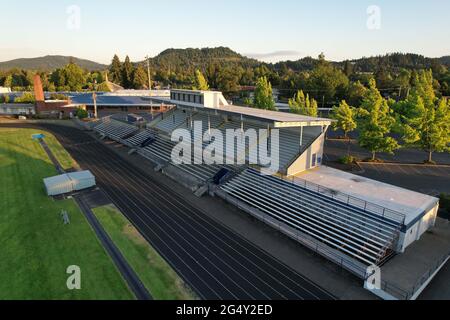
pixel 269 30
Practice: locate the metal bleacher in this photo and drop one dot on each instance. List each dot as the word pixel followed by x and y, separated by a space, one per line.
pixel 141 137
pixel 115 130
pixel 367 237
pixel 161 149
pixel 172 120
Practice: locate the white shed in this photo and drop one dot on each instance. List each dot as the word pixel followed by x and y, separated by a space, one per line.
pixel 68 182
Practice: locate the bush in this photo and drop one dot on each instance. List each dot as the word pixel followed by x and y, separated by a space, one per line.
pixel 81 113
pixel 27 97
pixel 347 160
pixel 58 96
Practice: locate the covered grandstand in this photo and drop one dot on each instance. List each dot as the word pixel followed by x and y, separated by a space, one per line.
pixel 352 229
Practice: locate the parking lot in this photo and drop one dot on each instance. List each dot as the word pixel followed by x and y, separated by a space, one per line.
pixel 404 168
pixel 431 180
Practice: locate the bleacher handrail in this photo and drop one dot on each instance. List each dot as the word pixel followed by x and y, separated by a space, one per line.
pixel 385 212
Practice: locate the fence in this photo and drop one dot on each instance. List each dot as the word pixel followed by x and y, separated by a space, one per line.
pixel 349 200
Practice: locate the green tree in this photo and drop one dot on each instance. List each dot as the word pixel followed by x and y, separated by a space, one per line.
pixel 345 118
pixel 27 97
pixel 264 95
pixel 327 81
pixel 375 122
pixel 303 105
pixel 75 77
pixel 424 120
pixel 127 74
pixel 8 81
pixel 356 92
pixel 200 81
pixel 81 113
pixel 115 70
pixel 140 78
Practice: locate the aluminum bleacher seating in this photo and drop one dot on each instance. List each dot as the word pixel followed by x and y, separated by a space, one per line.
pixel 115 130
pixel 139 138
pixel 172 120
pixel 362 235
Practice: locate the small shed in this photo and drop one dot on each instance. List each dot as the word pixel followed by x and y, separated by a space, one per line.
pixel 82 179
pixel 68 182
pixel 58 185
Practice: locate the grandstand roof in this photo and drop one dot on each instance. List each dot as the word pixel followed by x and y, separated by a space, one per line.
pixel 410 203
pixel 112 100
pixel 279 119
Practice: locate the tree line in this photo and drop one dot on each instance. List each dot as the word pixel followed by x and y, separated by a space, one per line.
pixel 421 120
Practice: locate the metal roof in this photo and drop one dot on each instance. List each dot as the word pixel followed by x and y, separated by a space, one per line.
pixel 112 100
pixel 277 118
pixel 280 119
pixel 79 175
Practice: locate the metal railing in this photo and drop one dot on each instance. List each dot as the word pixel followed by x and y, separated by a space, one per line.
pixel 348 199
pixel 315 245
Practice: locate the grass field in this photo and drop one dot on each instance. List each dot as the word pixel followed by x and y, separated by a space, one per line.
pixel 36 248
pixel 157 276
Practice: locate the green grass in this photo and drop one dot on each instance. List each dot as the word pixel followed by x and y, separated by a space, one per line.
pixel 157 276
pixel 36 248
pixel 61 154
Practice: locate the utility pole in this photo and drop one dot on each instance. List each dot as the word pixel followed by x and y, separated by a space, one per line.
pixel 94 98
pixel 148 71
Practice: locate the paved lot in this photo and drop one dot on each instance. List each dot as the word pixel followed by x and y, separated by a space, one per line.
pixel 334 149
pixel 214 260
pixel 424 179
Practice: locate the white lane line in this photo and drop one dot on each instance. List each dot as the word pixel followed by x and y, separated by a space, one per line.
pixel 200 225
pixel 307 280
pixel 123 182
pixel 206 248
pixel 162 241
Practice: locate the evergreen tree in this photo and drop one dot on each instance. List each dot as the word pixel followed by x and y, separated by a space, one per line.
pixel 303 105
pixel 345 118
pixel 140 78
pixel 127 73
pixel 375 122
pixel 115 70
pixel 264 95
pixel 200 81
pixel 297 103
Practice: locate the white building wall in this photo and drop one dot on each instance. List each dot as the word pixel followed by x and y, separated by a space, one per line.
pixel 305 161
pixel 418 229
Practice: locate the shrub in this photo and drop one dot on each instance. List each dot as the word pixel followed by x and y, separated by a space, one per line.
pixel 81 113
pixel 347 160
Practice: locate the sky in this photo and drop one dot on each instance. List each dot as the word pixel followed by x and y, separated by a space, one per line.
pixel 269 30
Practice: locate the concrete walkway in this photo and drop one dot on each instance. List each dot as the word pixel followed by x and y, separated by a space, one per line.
pixel 411 269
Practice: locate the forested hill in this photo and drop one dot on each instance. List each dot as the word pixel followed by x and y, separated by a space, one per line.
pixel 50 63
pixel 392 62
pixel 190 58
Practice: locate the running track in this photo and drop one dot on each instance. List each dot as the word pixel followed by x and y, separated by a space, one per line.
pixel 215 261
